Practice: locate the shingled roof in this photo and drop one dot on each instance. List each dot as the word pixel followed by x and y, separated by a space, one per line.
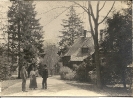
pixel 75 51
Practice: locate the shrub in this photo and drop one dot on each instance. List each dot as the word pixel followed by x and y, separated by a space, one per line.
pixel 70 76
pixel 4 72
pixel 81 73
pixel 66 73
pixel 75 67
pixel 92 75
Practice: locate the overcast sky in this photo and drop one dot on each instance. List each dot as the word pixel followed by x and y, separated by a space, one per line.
pixel 52 19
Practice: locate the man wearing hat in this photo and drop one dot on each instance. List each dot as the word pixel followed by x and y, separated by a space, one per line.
pixel 24 77
pixel 44 76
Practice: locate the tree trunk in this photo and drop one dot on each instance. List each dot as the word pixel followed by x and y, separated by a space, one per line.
pixel 19 69
pixel 97 62
pixel 12 56
pixel 19 64
pixel 123 69
pixel 8 52
pixel 123 77
pixel 97 58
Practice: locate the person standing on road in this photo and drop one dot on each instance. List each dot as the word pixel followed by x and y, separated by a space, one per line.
pixel 44 76
pixel 33 83
pixel 24 77
pixel 36 72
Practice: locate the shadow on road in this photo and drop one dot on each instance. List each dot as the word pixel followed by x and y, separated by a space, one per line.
pixel 109 91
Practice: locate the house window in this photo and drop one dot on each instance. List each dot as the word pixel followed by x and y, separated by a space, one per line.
pixel 84 50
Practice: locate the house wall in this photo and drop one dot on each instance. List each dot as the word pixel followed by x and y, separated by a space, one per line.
pixel 75 62
pixel 66 60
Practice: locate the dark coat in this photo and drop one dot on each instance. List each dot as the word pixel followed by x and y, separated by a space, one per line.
pixel 45 73
pixel 23 73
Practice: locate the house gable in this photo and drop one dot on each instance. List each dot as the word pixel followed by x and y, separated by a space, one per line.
pixel 81 49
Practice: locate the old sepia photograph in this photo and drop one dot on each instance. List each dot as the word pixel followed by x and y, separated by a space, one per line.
pixel 66 48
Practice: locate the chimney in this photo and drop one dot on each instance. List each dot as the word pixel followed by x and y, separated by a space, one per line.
pixel 84 33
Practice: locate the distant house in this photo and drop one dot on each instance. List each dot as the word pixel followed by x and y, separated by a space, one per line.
pixel 80 50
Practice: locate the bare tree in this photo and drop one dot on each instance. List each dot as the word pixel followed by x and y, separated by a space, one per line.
pixel 94 32
pixel 51 58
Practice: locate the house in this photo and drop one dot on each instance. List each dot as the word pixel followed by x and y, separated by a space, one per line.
pixel 80 50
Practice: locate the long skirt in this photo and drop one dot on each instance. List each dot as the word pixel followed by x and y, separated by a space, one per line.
pixel 33 83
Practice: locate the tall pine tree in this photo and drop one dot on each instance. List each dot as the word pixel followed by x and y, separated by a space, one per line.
pixel 24 32
pixel 72 28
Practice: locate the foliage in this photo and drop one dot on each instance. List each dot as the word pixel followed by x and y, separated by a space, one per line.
pixel 81 72
pixel 58 66
pixel 118 45
pixel 72 29
pixel 62 51
pixel 66 73
pixel 24 32
pixel 75 67
pixel 51 58
pixel 4 67
pixel 92 76
pixel 94 25
pixel 70 76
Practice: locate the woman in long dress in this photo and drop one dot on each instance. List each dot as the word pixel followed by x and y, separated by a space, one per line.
pixel 33 83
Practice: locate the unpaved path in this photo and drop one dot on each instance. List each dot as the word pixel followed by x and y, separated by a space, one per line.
pixel 56 87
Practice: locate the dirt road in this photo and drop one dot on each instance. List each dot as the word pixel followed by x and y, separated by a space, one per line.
pixel 56 87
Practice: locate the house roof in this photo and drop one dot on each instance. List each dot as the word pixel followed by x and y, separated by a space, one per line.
pixel 75 51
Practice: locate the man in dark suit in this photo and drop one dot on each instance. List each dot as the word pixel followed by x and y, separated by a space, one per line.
pixel 44 76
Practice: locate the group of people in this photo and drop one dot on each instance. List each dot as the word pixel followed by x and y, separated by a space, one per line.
pixel 33 82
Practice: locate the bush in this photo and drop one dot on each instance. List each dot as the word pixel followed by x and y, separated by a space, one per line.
pixel 92 75
pixel 111 75
pixel 81 73
pixel 4 72
pixel 70 76
pixel 4 68
pixel 66 73
pixel 75 67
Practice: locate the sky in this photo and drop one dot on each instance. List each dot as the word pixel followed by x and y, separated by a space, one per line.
pixel 52 13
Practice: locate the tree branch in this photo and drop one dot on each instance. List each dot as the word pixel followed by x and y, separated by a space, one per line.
pixel 55 8
pixel 92 14
pixel 97 14
pixel 92 32
pixel 107 13
pixel 81 6
pixel 102 6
